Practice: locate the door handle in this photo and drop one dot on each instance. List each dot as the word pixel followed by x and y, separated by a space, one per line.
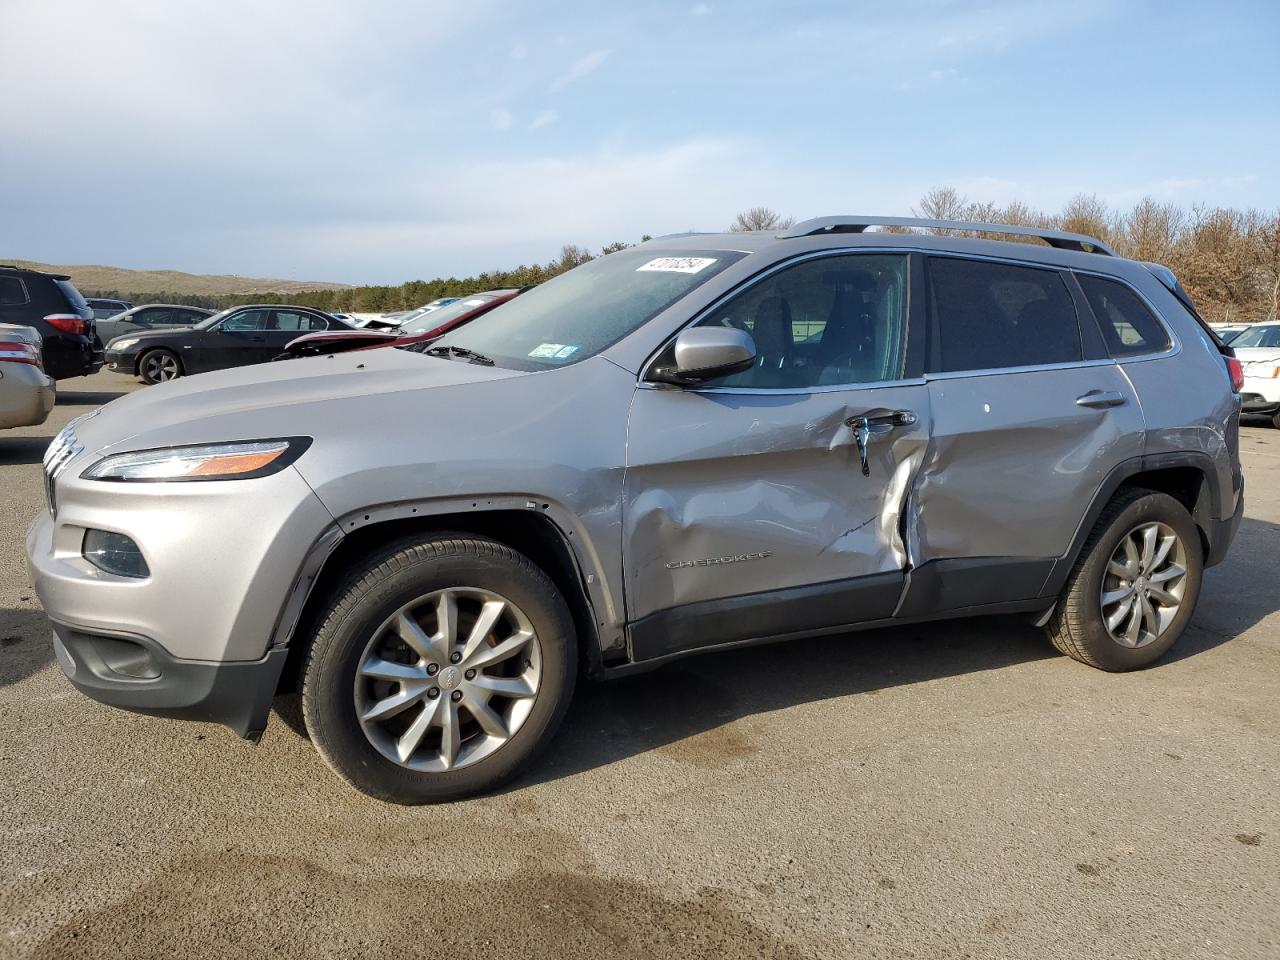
pixel 875 423
pixel 1101 399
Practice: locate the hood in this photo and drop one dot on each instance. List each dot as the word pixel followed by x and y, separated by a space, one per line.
pixel 287 398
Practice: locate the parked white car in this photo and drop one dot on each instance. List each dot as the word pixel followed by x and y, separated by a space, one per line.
pixel 1258 350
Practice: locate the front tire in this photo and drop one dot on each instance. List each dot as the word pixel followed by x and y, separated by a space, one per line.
pixel 1135 585
pixel 159 366
pixel 439 667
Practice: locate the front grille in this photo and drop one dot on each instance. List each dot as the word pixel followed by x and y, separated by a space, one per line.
pixel 64 448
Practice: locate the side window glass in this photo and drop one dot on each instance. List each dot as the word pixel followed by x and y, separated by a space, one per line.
pixel 292 321
pixel 248 321
pixel 1128 325
pixel 991 315
pixel 155 317
pixel 12 292
pixel 824 322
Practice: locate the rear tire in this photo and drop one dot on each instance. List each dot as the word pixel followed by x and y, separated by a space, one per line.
pixel 1275 419
pixel 1123 607
pixel 409 704
pixel 159 366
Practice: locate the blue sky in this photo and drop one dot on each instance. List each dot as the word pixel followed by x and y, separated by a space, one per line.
pixel 384 141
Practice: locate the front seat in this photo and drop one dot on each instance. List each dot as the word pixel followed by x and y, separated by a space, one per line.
pixel 849 338
pixel 771 331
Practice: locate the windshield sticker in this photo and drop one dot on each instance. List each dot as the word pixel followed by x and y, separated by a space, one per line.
pixel 677 264
pixel 554 351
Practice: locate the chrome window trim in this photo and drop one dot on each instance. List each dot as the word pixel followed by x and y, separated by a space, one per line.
pixel 1028 368
pixel 1175 341
pixel 759 278
pixel 787 391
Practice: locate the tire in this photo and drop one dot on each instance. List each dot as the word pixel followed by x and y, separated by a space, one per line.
pixel 1275 419
pixel 360 632
pixel 159 366
pixel 1078 628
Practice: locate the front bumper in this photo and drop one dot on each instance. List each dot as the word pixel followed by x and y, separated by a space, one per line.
pixel 122 361
pixel 136 673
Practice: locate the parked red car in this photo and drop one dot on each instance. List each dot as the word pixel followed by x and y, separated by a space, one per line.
pixel 421 330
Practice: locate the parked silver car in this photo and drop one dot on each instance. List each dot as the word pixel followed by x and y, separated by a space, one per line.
pixel 704 441
pixel 27 393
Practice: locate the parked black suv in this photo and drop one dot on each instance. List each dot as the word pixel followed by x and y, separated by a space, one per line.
pixel 52 305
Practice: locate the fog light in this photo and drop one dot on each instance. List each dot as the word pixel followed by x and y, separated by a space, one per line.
pixel 114 553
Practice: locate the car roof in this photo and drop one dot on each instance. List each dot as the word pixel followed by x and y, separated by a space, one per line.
pixel 38 273
pixel 180 306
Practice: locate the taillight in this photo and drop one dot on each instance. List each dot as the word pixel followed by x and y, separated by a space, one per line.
pixel 1237 373
pixel 66 322
pixel 12 351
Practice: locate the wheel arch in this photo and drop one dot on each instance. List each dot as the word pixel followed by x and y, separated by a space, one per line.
pixel 552 545
pixel 1188 476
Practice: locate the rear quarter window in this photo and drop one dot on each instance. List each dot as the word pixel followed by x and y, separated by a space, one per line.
pixel 1128 325
pixel 68 290
pixel 13 292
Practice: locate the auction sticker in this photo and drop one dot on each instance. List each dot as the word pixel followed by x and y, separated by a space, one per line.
pixel 677 264
pixel 554 351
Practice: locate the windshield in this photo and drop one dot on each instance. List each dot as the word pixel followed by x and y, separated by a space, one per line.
pixel 577 314
pixel 1260 336
pixel 422 319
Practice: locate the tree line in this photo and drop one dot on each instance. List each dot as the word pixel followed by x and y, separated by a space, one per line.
pixel 1228 259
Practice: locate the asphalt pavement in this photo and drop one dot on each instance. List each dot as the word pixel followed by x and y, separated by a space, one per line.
pixel 950 790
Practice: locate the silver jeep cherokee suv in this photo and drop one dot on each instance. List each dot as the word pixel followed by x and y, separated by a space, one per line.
pixel 704 441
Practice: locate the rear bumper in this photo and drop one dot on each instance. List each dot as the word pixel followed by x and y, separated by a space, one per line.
pixel 138 674
pixel 70 356
pixel 27 395
pixel 1254 402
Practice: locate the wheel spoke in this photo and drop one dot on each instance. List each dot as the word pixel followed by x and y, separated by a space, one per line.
pixel 1149 616
pixel 1116 617
pixel 1162 552
pixel 1132 558
pixel 1134 630
pixel 490 613
pixel 409 741
pixel 388 707
pixel 446 637
pixel 1171 572
pixel 417 639
pixel 380 669
pixel 1162 597
pixel 1112 596
pixel 515 687
pixel 1124 571
pixel 488 719
pixel 450 739
pixel 509 647
pixel 1149 534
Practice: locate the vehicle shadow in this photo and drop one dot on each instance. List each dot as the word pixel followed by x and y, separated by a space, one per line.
pixel 613 720
pixel 72 398
pixel 21 451
pixel 25 647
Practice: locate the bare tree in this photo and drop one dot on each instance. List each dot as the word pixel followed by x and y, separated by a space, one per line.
pixel 1086 213
pixel 942 203
pixel 760 218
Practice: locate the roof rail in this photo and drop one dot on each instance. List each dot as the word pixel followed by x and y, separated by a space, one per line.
pixel 1055 238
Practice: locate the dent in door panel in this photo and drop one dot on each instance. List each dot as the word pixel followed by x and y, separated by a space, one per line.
pixel 780 503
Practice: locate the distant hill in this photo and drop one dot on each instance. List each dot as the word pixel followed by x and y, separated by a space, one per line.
pixel 93 278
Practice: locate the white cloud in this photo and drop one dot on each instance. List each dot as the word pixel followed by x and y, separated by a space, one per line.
pixel 700 10
pixel 543 119
pixel 500 118
pixel 580 68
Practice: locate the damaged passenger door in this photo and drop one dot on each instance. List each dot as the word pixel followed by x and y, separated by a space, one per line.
pixel 769 503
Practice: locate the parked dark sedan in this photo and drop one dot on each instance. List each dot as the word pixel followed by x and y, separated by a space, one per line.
pixel 233 338
pixel 148 317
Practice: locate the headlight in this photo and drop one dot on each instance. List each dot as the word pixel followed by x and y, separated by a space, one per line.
pixel 243 460
pixel 124 344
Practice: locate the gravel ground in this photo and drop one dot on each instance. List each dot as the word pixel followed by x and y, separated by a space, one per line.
pixel 954 790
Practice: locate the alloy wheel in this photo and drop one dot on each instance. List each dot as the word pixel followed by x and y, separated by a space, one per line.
pixel 159 367
pixel 1144 583
pixel 448 679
